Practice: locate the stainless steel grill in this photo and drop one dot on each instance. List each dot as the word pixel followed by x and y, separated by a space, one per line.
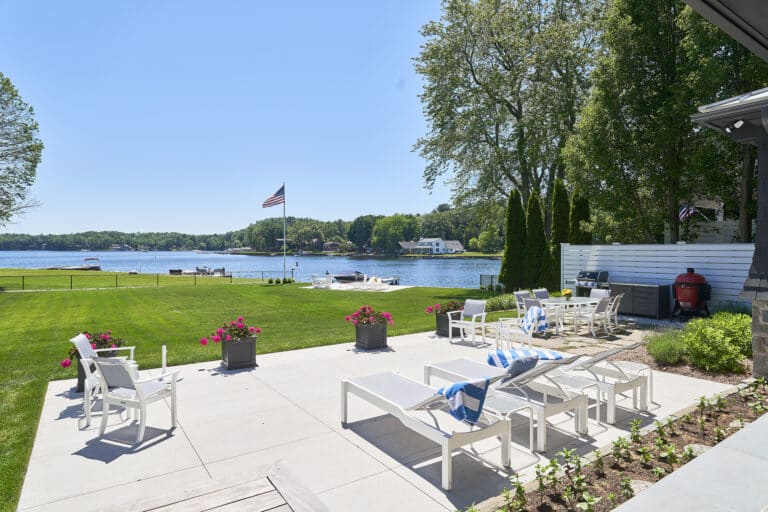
pixel 588 279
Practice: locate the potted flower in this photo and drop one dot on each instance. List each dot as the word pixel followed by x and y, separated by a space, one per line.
pixel 567 293
pixel 99 340
pixel 370 327
pixel 441 316
pixel 238 344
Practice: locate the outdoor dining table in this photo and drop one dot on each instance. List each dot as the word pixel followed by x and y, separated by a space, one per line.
pixel 574 302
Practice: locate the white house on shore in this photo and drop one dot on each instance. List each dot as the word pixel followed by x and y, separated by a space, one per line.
pixel 436 246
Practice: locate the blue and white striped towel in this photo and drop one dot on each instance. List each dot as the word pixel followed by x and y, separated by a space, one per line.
pixel 466 399
pixel 503 358
pixel 534 318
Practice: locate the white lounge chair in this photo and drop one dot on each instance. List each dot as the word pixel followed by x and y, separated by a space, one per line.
pixel 92 383
pixel 520 393
pixel 120 387
pixel 607 381
pixel 402 398
pixel 471 317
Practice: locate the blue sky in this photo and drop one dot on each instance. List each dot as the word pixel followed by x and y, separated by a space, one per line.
pixel 185 115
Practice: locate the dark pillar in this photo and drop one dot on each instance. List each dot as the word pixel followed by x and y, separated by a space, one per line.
pixel 756 285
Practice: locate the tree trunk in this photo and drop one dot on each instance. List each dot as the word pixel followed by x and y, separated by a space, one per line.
pixel 745 193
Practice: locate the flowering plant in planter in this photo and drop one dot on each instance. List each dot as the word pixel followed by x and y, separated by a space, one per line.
pixel 98 340
pixel 567 292
pixel 367 316
pixel 451 305
pixel 233 331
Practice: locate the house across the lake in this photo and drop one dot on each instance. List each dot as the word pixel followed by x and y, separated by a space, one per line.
pixel 432 246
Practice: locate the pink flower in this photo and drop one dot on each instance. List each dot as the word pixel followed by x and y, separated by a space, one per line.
pixel 66 363
pixel 93 346
pixel 219 331
pixel 429 309
pixel 240 325
pixel 228 338
pixel 114 346
pixel 216 338
pixel 348 318
pixel 258 330
pixel 105 336
pixel 251 329
pixel 354 321
pixel 240 319
pixel 203 341
pixel 87 335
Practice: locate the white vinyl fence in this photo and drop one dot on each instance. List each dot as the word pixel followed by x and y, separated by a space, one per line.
pixel 724 265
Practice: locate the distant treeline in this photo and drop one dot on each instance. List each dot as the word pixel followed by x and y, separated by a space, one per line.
pixel 368 232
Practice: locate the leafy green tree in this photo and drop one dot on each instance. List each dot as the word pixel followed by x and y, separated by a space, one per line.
pixel 20 151
pixel 361 229
pixel 504 80
pixel 511 274
pixel 473 244
pixel 633 146
pixel 489 241
pixel 579 217
pixel 535 241
pixel 560 224
pixel 389 231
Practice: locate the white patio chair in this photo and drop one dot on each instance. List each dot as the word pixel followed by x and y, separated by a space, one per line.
pixel 530 391
pixel 471 317
pixel 509 330
pixel 520 297
pixel 593 317
pixel 541 293
pixel 553 312
pixel 92 383
pixel 121 388
pixel 613 311
pixel 404 398
pixel 607 381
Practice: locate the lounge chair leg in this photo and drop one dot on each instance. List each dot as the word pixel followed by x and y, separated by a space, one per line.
pixel 343 402
pixel 104 416
pixel 142 423
pixel 643 395
pixel 541 432
pixel 447 467
pixel 506 440
pixel 611 409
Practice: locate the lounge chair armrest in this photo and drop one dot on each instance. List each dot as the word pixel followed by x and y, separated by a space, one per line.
pixel 451 313
pixel 481 315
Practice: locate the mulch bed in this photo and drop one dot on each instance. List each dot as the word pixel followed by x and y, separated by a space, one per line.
pixel 562 484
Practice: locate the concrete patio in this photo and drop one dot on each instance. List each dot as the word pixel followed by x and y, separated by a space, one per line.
pixel 270 438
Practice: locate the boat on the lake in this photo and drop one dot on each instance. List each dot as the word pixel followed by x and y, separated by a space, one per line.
pixel 349 276
pixel 88 264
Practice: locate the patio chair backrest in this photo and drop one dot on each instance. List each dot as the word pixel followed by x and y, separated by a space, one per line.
pixel 599 293
pixel 520 297
pixel 84 347
pixel 115 372
pixel 602 306
pixel 615 301
pixel 541 293
pixel 473 307
pixel 529 303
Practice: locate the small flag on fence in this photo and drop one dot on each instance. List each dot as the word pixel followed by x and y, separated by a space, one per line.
pixel 686 212
pixel 275 199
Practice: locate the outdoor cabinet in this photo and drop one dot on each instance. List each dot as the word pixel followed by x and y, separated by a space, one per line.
pixel 652 300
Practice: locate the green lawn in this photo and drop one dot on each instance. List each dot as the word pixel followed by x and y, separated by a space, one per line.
pixel 37 325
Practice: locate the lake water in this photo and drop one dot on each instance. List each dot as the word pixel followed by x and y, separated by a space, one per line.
pixel 454 272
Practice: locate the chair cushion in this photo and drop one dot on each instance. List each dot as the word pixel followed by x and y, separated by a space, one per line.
pixel 521 365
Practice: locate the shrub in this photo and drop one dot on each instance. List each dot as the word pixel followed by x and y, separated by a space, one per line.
pixel 501 302
pixel 667 348
pixel 737 330
pixel 270 281
pixel 708 348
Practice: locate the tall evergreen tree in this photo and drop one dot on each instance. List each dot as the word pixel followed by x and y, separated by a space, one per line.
pixel 534 242
pixel 560 226
pixel 547 278
pixel 579 213
pixel 511 274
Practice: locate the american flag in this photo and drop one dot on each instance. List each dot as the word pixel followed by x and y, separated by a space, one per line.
pixel 686 212
pixel 276 198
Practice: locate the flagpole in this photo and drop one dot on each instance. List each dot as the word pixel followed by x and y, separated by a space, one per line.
pixel 285 242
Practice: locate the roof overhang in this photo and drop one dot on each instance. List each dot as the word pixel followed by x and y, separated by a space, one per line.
pixel 743 118
pixel 744 20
